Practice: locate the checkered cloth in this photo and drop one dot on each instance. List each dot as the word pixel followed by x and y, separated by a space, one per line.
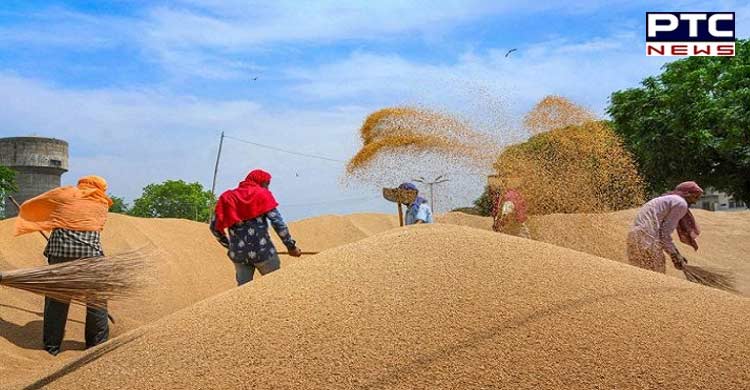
pixel 73 244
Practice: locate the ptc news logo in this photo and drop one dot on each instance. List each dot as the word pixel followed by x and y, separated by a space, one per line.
pixel 690 34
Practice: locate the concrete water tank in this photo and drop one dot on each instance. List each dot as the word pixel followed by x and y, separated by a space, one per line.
pixel 40 162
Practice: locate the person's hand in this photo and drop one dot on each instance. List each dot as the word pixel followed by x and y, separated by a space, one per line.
pixel 295 252
pixel 679 261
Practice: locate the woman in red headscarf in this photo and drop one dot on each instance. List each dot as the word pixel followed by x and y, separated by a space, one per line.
pixel 240 224
pixel 651 234
pixel 509 212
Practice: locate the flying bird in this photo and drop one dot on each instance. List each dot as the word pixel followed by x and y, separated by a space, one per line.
pixel 510 51
pixel 255 78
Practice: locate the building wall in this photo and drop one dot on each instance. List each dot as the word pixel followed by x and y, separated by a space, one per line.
pixel 719 201
pixel 39 162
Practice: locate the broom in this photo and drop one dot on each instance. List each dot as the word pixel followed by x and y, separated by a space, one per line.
pixel 712 278
pixel 91 281
pixel 18 207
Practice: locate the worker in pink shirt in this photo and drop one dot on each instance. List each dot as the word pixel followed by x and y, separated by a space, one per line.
pixel 651 234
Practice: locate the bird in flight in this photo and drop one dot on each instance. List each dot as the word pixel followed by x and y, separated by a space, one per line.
pixel 255 78
pixel 510 51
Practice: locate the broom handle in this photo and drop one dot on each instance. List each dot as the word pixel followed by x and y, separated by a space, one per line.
pixel 18 207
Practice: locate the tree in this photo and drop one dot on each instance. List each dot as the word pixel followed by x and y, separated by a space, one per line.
pixel 118 205
pixel 174 199
pixel 7 186
pixel 483 204
pixel 692 122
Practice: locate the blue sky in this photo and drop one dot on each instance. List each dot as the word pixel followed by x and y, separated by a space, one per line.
pixel 142 89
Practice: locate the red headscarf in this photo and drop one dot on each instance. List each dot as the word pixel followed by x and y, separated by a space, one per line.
pixel 249 200
pixel 687 229
pixel 519 205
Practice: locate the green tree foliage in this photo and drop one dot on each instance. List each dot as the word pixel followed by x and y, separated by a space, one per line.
pixel 483 204
pixel 174 199
pixel 118 205
pixel 7 186
pixel 7 180
pixel 692 122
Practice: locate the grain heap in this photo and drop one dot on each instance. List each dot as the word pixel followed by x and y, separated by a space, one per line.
pixel 191 267
pixel 414 308
pixel 724 240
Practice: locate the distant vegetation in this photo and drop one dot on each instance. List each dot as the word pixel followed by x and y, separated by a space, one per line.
pixel 691 122
pixel 7 186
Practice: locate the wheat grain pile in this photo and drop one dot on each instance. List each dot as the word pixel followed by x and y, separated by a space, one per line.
pixel 191 266
pixel 724 240
pixel 438 307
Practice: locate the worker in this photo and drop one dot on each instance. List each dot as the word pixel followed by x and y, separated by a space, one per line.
pixel 76 217
pixel 509 214
pixel 418 211
pixel 651 233
pixel 240 224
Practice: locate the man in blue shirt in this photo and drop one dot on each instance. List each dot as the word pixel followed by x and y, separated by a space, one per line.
pixel 419 211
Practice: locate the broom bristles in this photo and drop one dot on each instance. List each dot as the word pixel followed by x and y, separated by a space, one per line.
pixel 91 281
pixel 713 278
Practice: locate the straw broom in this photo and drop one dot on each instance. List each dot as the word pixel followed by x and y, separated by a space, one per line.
pixel 91 281
pixel 712 278
pixel 50 293
pixel 708 277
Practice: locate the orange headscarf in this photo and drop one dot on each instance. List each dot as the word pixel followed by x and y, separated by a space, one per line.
pixel 82 208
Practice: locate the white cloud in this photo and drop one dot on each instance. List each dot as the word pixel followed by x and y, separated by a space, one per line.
pixel 136 136
pixel 142 136
pixel 585 71
pixel 60 27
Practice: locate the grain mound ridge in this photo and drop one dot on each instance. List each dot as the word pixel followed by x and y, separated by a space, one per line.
pixel 440 306
pixel 724 241
pixel 191 267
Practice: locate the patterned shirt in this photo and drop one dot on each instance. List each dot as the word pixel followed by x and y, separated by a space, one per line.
pixel 74 244
pixel 249 241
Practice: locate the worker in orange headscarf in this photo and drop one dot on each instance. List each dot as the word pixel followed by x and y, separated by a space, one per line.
pixel 75 216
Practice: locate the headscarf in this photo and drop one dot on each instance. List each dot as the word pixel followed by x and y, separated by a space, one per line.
pixel 249 200
pixel 418 201
pixel 81 208
pixel 687 228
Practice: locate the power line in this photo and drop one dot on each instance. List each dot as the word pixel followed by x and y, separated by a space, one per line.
pixel 284 150
pixel 330 201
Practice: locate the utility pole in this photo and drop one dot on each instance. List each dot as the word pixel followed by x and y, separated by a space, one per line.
pixel 438 180
pixel 216 167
